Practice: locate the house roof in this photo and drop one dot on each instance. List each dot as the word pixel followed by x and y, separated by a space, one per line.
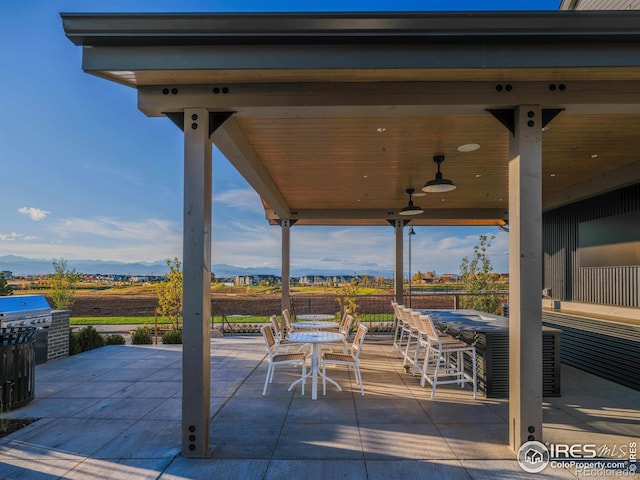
pixel 332 116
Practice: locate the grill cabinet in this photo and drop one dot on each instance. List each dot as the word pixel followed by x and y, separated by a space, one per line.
pixel 24 320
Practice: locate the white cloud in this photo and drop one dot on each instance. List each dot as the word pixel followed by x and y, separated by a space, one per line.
pixel 247 245
pixel 107 239
pixel 432 251
pixel 10 236
pixel 110 228
pixel 36 214
pixel 251 243
pixel 241 198
pixel 351 248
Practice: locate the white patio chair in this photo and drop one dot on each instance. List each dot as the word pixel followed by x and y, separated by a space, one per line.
pixel 397 336
pixel 443 354
pixel 423 340
pixel 288 324
pixel 411 329
pixel 276 358
pixel 281 339
pixel 350 360
pixel 345 329
pixel 343 319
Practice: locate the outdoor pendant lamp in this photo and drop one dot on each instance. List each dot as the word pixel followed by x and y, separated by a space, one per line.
pixel 438 184
pixel 411 209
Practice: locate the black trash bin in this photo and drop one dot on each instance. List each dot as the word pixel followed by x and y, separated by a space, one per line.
pixel 17 366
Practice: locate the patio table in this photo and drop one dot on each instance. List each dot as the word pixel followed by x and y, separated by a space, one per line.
pixel 315 338
pixel 316 317
pixel 315 325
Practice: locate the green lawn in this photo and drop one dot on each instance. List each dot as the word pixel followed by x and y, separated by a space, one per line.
pixel 151 320
pixel 114 320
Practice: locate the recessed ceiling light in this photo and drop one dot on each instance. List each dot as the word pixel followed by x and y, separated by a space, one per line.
pixel 552 174
pixel 381 129
pixel 365 176
pixel 594 155
pixel 478 175
pixel 468 147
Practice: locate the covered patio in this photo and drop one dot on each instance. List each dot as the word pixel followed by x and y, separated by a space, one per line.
pixel 115 412
pixel 332 117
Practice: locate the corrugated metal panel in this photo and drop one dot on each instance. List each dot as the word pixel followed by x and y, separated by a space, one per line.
pixel 619 286
pixel 604 348
pixel 493 361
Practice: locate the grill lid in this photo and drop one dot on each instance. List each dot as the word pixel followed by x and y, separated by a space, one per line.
pixel 23 307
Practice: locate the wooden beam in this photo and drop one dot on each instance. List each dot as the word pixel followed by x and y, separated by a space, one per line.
pixel 406 98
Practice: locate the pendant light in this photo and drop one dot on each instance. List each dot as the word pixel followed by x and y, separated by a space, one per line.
pixel 438 184
pixel 411 209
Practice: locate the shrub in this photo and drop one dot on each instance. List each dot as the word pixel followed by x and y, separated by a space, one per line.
pixel 85 339
pixel 74 343
pixel 172 337
pixel 141 336
pixel 89 338
pixel 114 339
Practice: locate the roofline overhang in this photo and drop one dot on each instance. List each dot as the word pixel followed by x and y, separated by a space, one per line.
pixel 146 29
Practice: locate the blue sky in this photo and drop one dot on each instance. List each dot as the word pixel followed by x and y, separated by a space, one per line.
pixel 85 175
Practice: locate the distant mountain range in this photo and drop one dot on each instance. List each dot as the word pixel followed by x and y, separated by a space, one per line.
pixel 29 266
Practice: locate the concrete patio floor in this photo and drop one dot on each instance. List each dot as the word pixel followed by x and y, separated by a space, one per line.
pixel 114 413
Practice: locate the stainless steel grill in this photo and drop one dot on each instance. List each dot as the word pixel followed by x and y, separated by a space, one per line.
pixel 25 311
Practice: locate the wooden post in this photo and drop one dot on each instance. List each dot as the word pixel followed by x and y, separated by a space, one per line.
pixel 525 277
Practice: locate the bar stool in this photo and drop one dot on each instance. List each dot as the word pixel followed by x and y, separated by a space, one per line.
pixel 444 353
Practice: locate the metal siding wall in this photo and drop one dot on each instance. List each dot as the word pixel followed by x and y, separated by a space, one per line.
pixel 607 5
pixel 617 286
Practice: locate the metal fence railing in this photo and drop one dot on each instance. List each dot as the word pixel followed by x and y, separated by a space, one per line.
pixel 375 310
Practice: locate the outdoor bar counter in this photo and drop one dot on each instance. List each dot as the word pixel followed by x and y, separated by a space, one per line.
pixel 490 335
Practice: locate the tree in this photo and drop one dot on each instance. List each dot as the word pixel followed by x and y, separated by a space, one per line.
pixel 5 288
pixel 478 280
pixel 170 293
pixel 349 301
pixel 63 284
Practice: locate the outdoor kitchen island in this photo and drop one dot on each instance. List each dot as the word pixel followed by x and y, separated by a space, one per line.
pixel 490 335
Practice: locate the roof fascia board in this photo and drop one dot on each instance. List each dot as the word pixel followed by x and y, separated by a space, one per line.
pixel 92 29
pixel 479 55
